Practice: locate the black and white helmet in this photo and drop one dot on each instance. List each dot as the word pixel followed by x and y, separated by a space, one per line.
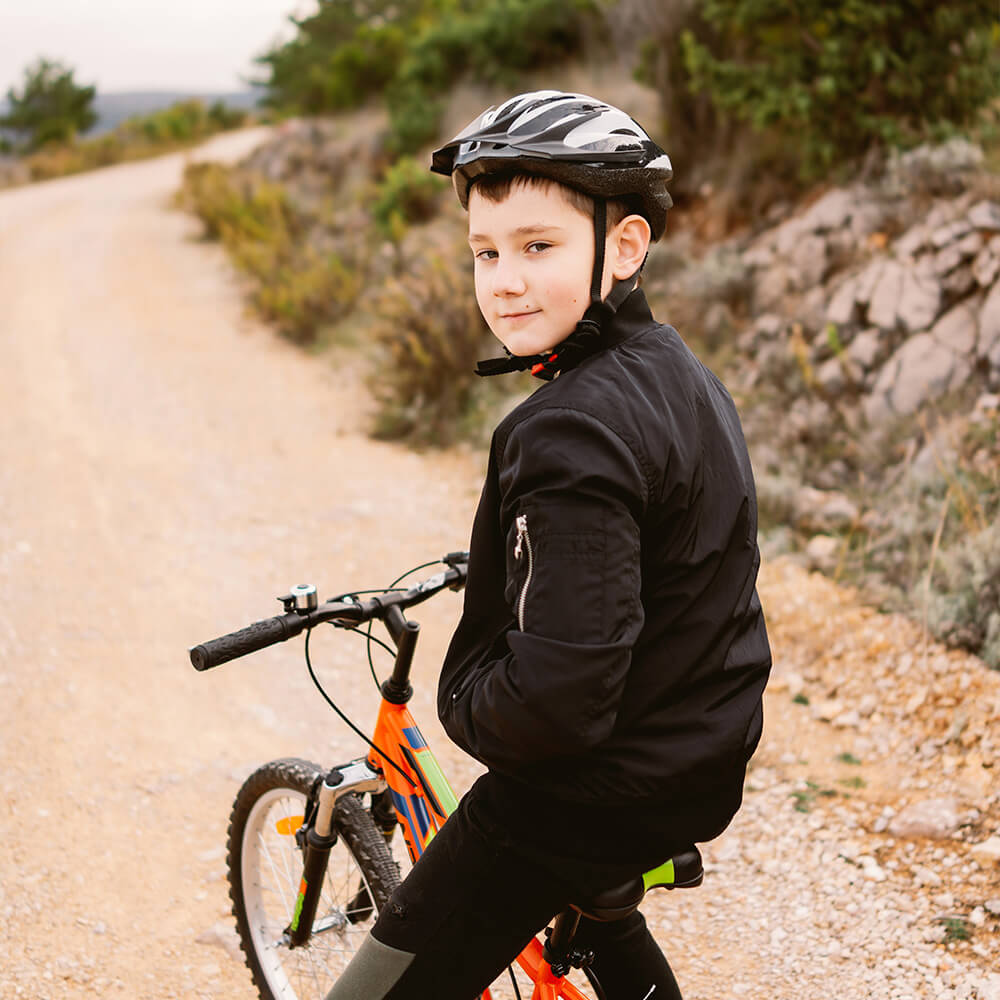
pixel 578 140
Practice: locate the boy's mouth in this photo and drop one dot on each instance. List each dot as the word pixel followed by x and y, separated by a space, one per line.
pixel 520 315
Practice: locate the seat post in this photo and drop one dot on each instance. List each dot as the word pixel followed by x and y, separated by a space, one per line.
pixel 560 940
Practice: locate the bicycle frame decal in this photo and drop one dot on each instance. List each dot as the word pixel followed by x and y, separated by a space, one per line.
pixel 424 805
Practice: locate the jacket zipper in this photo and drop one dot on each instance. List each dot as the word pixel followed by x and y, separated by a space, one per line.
pixel 524 539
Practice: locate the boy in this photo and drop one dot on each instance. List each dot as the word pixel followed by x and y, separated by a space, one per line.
pixel 610 661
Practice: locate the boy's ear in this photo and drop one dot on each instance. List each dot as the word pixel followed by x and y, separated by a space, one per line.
pixel 630 243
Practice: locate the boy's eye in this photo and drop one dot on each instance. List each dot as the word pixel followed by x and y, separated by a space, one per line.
pixel 485 254
pixel 538 247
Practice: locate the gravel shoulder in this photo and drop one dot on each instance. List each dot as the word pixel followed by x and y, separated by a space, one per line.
pixel 168 466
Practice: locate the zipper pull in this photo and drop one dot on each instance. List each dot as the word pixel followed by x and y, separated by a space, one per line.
pixel 522 530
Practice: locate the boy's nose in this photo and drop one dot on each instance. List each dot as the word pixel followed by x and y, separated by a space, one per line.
pixel 507 281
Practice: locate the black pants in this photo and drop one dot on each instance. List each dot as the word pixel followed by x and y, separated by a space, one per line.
pixel 493 877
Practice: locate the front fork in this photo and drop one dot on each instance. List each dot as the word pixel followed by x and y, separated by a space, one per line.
pixel 320 836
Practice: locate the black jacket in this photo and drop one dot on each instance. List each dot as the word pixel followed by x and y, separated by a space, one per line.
pixel 612 645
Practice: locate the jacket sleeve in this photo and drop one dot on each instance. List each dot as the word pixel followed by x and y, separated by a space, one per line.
pixel 572 495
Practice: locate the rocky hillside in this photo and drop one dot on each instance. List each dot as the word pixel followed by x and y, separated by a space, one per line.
pixel 861 336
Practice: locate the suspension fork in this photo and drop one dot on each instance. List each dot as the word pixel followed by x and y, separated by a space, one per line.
pixel 320 836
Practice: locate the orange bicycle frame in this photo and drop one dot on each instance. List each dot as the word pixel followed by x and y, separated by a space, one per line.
pixel 423 800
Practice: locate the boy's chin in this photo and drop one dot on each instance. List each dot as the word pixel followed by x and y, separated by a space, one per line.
pixel 523 347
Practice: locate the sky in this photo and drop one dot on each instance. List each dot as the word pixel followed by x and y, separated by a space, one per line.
pixel 181 45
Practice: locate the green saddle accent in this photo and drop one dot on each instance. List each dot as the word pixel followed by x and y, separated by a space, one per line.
pixel 682 871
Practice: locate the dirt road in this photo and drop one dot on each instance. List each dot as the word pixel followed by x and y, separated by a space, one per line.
pixel 168 466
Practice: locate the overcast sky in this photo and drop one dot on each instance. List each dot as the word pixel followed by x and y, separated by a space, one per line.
pixel 199 45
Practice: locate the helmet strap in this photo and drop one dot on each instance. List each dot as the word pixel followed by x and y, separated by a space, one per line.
pixel 600 239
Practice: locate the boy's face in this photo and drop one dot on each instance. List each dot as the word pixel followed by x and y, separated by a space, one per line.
pixel 534 255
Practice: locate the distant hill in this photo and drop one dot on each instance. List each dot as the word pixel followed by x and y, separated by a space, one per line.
pixel 113 109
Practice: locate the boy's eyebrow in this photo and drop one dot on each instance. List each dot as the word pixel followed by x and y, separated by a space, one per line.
pixel 532 230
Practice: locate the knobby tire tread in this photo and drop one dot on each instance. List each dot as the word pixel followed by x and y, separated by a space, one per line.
pixel 352 821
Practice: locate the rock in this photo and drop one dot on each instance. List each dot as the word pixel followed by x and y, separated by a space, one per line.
pixel 947 260
pixel 985 267
pixel 222 935
pixel 826 710
pixel 787 236
pixel 993 906
pixel 923 368
pixel 832 211
pixel 949 233
pixel 987 853
pixel 988 344
pixel 959 283
pixel 851 719
pixel 821 552
pixel 884 304
pixel 831 378
pixel 822 509
pixel 933 169
pixel 810 262
pixel 988 988
pixel 771 288
pixel 977 917
pixel 925 876
pixel 865 349
pixel 984 215
pixel 842 309
pixel 919 300
pixel 957 329
pixel 935 819
pixel 911 242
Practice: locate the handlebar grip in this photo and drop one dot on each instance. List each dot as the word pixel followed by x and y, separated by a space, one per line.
pixel 246 640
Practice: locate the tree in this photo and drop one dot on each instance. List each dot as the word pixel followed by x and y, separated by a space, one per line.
pixel 841 77
pixel 50 106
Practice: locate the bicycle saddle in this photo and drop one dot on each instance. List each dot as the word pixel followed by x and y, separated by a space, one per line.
pixel 683 871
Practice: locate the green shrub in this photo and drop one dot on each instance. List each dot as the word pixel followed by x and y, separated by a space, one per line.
pixel 408 193
pixel 413 52
pixel 841 78
pixel 430 333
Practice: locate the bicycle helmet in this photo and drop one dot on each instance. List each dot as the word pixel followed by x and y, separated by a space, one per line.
pixel 585 144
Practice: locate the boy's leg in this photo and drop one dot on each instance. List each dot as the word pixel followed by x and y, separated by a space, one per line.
pixel 467 908
pixel 628 962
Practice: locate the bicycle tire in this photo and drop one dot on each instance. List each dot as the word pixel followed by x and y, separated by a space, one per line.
pixel 265 865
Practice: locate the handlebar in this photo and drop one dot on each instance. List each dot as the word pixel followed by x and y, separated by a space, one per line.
pixel 345 611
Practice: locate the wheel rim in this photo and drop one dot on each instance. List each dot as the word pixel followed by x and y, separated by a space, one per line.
pixel 271 867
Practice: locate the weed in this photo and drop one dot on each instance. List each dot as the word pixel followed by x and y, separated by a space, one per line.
pixel 956 929
pixel 854 782
pixel 848 758
pixel 800 699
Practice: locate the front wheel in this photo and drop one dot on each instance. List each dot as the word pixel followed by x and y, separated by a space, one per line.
pixel 265 867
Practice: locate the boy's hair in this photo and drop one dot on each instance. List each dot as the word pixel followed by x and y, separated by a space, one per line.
pixel 495 187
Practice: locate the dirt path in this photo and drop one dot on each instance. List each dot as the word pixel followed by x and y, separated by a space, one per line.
pixel 168 466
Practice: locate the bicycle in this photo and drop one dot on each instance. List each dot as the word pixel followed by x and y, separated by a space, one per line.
pixel 309 850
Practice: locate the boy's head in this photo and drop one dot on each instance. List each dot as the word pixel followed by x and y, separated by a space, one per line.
pixel 564 193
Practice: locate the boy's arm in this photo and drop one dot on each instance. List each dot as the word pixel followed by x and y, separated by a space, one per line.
pixel 572 495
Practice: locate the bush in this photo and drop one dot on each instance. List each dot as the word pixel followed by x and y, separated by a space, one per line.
pixel 964 607
pixel 408 193
pixel 845 77
pixel 430 334
pixel 297 286
pixel 413 52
